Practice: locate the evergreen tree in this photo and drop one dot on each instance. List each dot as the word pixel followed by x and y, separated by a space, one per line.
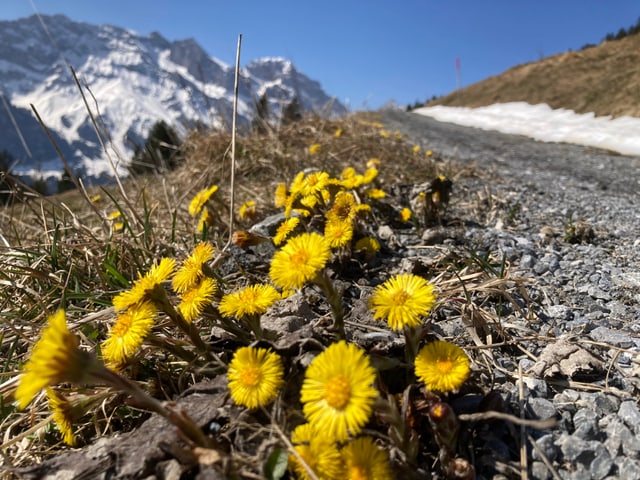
pixel 5 188
pixel 65 183
pixel 292 112
pixel 161 151
pixel 39 185
pixel 260 123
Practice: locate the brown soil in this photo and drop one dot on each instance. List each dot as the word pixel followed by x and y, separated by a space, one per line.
pixel 604 79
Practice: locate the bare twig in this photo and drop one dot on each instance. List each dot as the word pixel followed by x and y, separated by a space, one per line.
pixel 493 415
pixel 234 125
pixel 524 460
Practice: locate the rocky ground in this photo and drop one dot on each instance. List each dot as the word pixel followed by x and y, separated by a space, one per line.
pixel 569 222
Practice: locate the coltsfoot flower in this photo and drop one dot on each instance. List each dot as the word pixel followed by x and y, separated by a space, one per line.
pixel 195 300
pixel 144 287
pixel 255 376
pixel 442 366
pixel 54 359
pixel 251 300
pixel 299 260
pixel 200 199
pixel 62 412
pixel 284 229
pixel 338 392
pixel 403 300
pixel 317 452
pixel 364 460
pixel 338 232
pixel 127 334
pixel 247 210
pixel 190 273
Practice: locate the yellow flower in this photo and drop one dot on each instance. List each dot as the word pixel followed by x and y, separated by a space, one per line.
pixel 194 300
pixel 127 334
pixel 363 209
pixel 318 453
pixel 145 285
pixel 299 260
pixel 370 175
pixel 247 210
pixel 280 197
pixel 315 148
pixel 405 214
pixel 442 366
pixel 348 172
pixel 384 134
pixel 114 215
pixel 55 358
pixel 403 300
pixel 96 198
pixel 363 460
pixel 284 229
pixel 368 244
pixel 314 183
pixel 343 207
pixel 373 163
pixel 416 148
pixel 206 220
pixel 251 300
pixel 62 413
pixel 309 201
pixel 190 273
pixel 375 193
pixel 200 199
pixel 338 232
pixel 428 153
pixel 338 392
pixel 255 376
pixel 337 133
pixel 297 184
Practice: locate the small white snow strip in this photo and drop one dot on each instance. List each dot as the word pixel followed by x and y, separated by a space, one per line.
pixel 542 123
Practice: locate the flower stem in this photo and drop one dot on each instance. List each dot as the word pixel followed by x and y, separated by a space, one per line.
pixel 334 297
pixel 411 340
pixel 160 299
pixel 180 419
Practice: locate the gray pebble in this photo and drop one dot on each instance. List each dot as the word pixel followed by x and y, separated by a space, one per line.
pixel 630 414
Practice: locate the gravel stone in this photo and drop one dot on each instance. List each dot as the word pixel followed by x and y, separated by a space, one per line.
pixel 586 423
pixel 612 337
pixel 547 445
pixel 628 468
pixel 630 414
pixel 587 288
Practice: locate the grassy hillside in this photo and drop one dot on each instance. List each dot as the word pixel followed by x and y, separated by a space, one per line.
pixel 604 79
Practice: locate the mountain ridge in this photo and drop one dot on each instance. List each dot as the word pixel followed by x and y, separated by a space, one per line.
pixel 130 82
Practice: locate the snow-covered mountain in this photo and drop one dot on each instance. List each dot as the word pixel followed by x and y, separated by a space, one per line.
pixel 130 81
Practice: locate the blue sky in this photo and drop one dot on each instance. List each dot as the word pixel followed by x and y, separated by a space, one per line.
pixel 366 53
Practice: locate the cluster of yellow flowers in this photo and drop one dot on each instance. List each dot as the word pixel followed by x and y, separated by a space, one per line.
pixel 324 217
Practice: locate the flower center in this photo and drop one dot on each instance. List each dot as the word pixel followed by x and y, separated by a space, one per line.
pixel 299 258
pixel 122 326
pixel 444 365
pixel 337 392
pixel 357 472
pixel 250 376
pixel 399 298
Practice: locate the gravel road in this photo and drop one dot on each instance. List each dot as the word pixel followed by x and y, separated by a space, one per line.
pixel 570 222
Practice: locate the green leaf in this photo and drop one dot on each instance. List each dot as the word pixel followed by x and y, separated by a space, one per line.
pixel 276 465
